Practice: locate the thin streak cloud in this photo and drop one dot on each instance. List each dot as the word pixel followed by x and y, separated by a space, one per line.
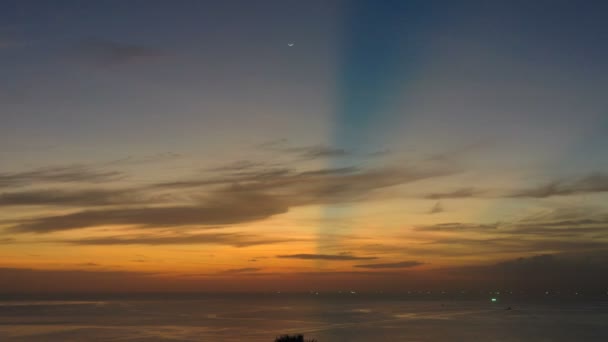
pixel 73 198
pixel 402 264
pixel 245 208
pixel 62 174
pixel 592 183
pixel 239 240
pixel 330 257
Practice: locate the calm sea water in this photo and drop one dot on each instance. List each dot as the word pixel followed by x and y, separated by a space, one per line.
pixel 325 318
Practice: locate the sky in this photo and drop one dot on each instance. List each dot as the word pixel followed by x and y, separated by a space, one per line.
pixel 303 145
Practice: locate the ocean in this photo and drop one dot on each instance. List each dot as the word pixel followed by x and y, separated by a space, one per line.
pixel 326 318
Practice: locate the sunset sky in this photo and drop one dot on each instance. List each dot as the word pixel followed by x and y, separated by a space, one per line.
pixel 302 145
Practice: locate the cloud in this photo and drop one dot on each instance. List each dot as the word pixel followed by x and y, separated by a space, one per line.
pixel 235 175
pixel 319 151
pixel 92 264
pixel 237 197
pixel 459 193
pixel 554 224
pixel 455 226
pixel 239 166
pixel 437 208
pixel 78 198
pixel 273 144
pixel 333 185
pixel 64 174
pixel 226 210
pixel 516 244
pixel 333 257
pixel 229 239
pixel 341 185
pixel 570 213
pixel 402 264
pixel 241 270
pixel 556 231
pixel 568 220
pixel 460 152
pixel 576 228
pixel 304 152
pixel 593 183
pixel 152 158
pixel 106 53
pixel 379 153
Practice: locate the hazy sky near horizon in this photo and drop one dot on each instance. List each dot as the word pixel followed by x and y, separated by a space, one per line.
pixel 227 144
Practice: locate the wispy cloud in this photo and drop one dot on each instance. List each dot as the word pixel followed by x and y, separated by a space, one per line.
pixel 592 183
pixel 223 210
pixel 459 152
pixel 402 264
pixel 90 264
pixel 317 186
pixel 516 244
pixel 458 193
pixel 333 257
pixel 145 159
pixel 554 231
pixel 436 209
pixel 320 151
pixel 241 270
pixel 455 226
pixel 379 153
pixel 76 198
pixel 63 174
pixel 305 152
pixel 239 166
pixel 235 198
pixel 228 239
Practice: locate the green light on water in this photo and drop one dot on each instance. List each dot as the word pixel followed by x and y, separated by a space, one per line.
pixel 494 299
